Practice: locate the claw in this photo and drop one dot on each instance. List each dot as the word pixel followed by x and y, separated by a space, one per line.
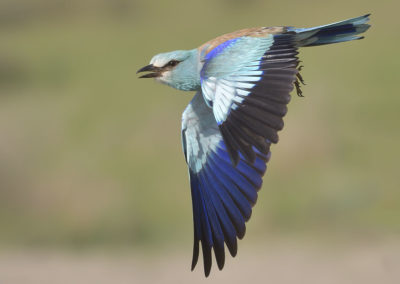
pixel 299 79
pixel 298 89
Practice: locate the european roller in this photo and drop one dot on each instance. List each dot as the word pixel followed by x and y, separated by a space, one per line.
pixel 242 82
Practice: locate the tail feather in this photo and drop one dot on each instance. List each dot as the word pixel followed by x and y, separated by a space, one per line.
pixel 337 32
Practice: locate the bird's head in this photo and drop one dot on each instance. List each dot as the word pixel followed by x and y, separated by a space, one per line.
pixel 177 69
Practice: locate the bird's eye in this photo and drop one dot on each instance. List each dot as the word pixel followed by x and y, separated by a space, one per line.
pixel 173 63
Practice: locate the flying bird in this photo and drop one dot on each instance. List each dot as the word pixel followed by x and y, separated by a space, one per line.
pixel 242 82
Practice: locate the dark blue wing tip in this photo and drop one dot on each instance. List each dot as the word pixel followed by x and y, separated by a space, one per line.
pixel 205 182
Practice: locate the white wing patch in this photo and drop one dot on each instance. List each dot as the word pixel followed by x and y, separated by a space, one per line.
pixel 222 94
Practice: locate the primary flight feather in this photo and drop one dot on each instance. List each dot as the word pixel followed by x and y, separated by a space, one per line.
pixel 243 82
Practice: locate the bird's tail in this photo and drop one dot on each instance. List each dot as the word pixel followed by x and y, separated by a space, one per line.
pixel 337 32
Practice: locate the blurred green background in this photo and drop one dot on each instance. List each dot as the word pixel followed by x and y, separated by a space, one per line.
pixel 90 156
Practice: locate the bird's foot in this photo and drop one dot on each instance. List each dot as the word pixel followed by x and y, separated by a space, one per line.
pixel 299 80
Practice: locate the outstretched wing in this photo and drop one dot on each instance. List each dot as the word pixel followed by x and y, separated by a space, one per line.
pixel 247 80
pixel 228 127
pixel 222 194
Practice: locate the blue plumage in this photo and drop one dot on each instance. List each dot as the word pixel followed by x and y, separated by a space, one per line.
pixel 332 33
pixel 222 196
pixel 219 49
pixel 243 82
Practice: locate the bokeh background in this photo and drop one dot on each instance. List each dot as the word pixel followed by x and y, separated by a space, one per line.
pixel 93 183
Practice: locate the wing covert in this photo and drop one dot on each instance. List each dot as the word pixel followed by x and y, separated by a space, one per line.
pixel 248 81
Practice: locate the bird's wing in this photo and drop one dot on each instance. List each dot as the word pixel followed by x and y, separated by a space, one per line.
pixel 247 80
pixel 222 194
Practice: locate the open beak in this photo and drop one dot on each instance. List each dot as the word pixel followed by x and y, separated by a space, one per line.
pixel 150 68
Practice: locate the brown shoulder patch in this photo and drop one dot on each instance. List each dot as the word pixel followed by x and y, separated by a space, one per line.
pixel 251 32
